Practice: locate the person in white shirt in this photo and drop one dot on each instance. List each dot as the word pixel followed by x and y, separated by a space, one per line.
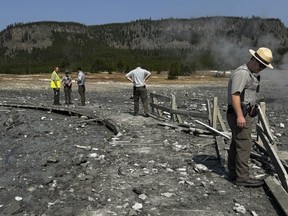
pixel 138 77
pixel 81 86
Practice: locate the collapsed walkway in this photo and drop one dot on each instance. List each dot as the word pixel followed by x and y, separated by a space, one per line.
pixel 156 170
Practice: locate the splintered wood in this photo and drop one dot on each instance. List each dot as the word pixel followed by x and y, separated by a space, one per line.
pixel 264 142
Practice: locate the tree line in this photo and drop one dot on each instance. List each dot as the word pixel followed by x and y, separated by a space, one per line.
pixel 94 57
pixel 120 47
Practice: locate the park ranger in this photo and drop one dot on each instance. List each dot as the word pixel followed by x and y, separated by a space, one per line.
pixel 242 89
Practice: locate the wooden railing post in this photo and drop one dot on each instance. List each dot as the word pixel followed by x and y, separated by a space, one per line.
pixel 175 117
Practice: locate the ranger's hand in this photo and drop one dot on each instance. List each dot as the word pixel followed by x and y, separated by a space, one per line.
pixel 241 122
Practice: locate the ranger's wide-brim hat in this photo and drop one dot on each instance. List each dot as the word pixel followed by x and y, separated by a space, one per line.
pixel 263 55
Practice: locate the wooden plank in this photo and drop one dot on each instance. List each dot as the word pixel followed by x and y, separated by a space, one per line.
pixel 158 111
pixel 173 106
pixel 285 164
pixel 261 146
pixel 262 159
pixel 181 112
pixel 265 125
pixel 159 118
pixel 221 122
pixel 214 121
pixel 190 113
pixel 263 150
pixel 158 96
pixel 197 131
pixel 279 194
pixel 184 128
pixel 209 112
pixel 220 149
pixel 163 108
pixel 153 101
pixel 173 110
pixel 213 129
pixel 175 117
pixel 165 124
pixel 263 108
pixel 280 170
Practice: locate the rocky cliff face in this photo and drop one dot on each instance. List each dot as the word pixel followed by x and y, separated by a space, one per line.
pixel 194 34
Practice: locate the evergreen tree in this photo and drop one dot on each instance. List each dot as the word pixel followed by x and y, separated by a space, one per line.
pixel 173 72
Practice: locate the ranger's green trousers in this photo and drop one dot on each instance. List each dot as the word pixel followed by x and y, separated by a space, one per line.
pixel 240 148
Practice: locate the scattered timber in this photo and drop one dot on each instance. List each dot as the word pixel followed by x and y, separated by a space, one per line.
pixel 280 170
pixel 278 184
pixel 279 194
pixel 213 129
pixel 221 151
pixel 264 141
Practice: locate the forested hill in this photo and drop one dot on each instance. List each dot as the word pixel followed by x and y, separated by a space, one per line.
pixel 193 44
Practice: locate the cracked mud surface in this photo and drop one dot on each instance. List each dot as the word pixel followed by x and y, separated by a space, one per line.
pixel 56 164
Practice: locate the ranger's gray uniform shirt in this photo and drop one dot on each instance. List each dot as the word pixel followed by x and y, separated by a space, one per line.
pixel 243 81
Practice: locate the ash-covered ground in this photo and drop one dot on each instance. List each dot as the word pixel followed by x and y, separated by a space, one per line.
pixel 58 164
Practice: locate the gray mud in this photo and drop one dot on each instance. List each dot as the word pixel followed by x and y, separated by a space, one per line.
pixel 55 164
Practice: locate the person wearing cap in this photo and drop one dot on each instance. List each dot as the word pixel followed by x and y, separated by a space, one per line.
pixel 81 86
pixel 242 89
pixel 138 77
pixel 55 84
pixel 67 83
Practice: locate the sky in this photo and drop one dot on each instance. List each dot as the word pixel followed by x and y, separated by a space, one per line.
pixel 96 12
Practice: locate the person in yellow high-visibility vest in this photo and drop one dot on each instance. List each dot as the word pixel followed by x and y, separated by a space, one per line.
pixel 55 84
